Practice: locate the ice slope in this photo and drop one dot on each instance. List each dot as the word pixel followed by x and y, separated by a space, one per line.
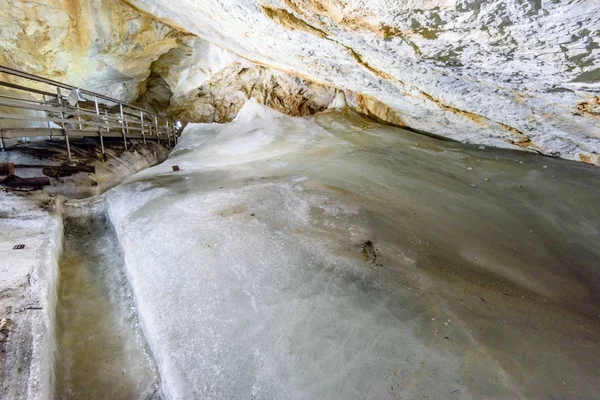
pixel 332 257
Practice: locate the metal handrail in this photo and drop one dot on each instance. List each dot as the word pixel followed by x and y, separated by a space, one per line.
pixel 61 85
pixel 90 118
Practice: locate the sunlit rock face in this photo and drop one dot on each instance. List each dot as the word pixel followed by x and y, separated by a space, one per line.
pixel 200 82
pixel 221 98
pixel 191 64
pixel 102 46
pixel 504 72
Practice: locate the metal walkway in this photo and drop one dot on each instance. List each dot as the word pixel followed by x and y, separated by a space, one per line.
pixel 40 107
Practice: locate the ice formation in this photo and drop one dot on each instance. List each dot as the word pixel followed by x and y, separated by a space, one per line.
pixel 31 243
pixel 101 352
pixel 332 257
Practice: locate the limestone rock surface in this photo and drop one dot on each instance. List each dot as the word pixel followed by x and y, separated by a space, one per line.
pixel 104 46
pixel 509 73
pixel 502 72
pixel 200 82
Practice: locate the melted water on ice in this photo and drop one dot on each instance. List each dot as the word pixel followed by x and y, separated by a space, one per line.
pixel 101 352
pixel 333 257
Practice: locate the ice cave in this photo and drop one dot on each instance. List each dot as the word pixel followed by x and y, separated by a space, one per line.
pixel 300 199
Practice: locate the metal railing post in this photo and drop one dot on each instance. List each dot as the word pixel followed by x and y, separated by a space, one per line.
pixel 64 126
pixel 99 127
pixel 47 122
pixel 62 117
pixel 157 130
pixel 143 131
pixel 168 134
pixel 123 126
pixel 106 120
pixel 79 116
pixel 1 136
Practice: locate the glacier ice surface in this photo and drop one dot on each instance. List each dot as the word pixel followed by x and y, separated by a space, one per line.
pixel 333 257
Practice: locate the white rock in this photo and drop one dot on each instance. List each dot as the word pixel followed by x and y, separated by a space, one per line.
pixel 484 72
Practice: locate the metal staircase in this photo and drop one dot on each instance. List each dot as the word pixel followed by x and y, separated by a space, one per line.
pixel 40 107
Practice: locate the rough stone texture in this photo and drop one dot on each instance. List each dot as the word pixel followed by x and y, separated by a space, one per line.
pixel 221 98
pixel 102 46
pixel 118 163
pixel 200 82
pixel 503 72
pixel 187 66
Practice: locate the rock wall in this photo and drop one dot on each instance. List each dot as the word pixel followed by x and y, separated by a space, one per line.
pixel 200 82
pixel 509 73
pixel 102 46
pixel 502 72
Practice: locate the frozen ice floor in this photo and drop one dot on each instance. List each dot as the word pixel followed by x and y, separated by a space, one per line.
pixel 332 257
pixel 101 352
